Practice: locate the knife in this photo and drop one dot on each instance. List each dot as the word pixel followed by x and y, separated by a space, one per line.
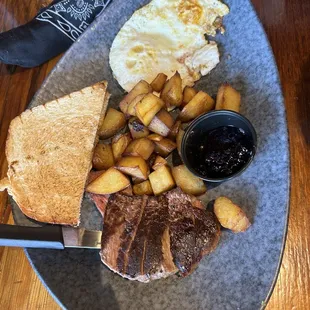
pixel 49 237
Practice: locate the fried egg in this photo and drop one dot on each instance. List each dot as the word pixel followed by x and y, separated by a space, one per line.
pixel 166 36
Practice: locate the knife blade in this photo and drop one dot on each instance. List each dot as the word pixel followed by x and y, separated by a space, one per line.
pixel 49 237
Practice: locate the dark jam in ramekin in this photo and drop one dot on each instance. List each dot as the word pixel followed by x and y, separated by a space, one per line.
pixel 219 152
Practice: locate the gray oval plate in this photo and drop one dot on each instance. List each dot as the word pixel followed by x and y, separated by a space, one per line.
pixel 241 272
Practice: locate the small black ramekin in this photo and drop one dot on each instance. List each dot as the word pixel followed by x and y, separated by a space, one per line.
pixel 212 120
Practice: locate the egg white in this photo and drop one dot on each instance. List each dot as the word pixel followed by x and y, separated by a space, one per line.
pixel 166 36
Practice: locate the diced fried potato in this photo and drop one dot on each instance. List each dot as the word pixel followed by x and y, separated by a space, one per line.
pixel 103 157
pixel 179 140
pixel 159 82
pixel 174 130
pixel 230 215
pixel 161 123
pixel 112 123
pixel 137 129
pixel 172 93
pixel 127 191
pixel 164 147
pixel 135 166
pixel 188 95
pixel 148 107
pixel 142 87
pixel 136 180
pixel 119 144
pixel 228 98
pixel 143 188
pixel 161 180
pixel 131 110
pixel 159 161
pixel 201 103
pixel 140 147
pixel 189 183
pixel 155 137
pixel 111 181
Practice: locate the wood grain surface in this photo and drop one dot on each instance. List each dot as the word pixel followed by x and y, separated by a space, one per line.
pixel 287 24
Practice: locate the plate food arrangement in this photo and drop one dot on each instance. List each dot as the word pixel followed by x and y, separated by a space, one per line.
pixel 116 149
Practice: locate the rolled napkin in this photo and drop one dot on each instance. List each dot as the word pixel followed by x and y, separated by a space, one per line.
pixel 50 33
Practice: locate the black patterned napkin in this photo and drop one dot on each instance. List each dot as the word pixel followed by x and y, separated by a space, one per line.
pixel 50 33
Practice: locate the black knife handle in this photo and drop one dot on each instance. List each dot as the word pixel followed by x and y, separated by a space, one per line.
pixel 48 237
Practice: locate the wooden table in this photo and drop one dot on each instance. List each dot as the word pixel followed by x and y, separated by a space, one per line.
pixel 287 23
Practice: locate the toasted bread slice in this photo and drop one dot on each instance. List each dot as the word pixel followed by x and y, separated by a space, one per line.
pixel 49 151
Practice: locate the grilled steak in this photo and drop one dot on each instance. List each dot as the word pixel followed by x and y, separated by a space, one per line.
pixel 146 238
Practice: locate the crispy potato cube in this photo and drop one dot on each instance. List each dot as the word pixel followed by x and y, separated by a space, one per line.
pixel 179 140
pixel 228 98
pixel 161 180
pixel 135 166
pixel 201 103
pixel 109 182
pixel 112 123
pixel 174 130
pixel 148 107
pixel 230 215
pixel 137 129
pixel 119 144
pixel 159 161
pixel 140 147
pixel 155 137
pixel 172 93
pixel 143 188
pixel 131 110
pixel 142 87
pixel 164 147
pixel 103 157
pixel 162 123
pixel 188 95
pixel 189 183
pixel 127 191
pixel 159 82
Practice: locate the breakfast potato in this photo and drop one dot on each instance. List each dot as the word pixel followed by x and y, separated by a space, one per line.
pixel 161 180
pixel 189 183
pixel 148 107
pixel 112 123
pixel 127 191
pixel 131 110
pixel 135 166
pixel 161 123
pixel 172 93
pixel 228 98
pixel 159 82
pixel 140 147
pixel 143 188
pixel 142 87
pixel 174 130
pixel 119 144
pixel 93 175
pixel 137 129
pixel 230 215
pixel 109 182
pixel 164 147
pixel 188 94
pixel 103 157
pixel 155 137
pixel 179 140
pixel 201 103
pixel 159 161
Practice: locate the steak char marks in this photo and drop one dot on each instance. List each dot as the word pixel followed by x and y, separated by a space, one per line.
pixel 146 238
